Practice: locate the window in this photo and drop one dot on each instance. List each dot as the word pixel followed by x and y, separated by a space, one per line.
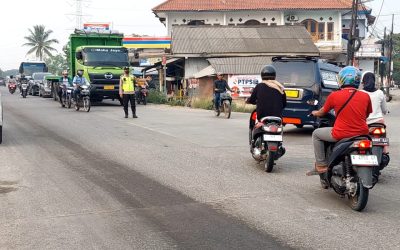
pixel 311 26
pixel 331 35
pixel 330 79
pixel 321 31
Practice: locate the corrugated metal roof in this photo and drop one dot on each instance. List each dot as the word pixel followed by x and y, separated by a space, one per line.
pixel 218 5
pixel 227 40
pixel 194 65
pixel 240 65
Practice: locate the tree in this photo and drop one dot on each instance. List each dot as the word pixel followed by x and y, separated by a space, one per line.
pixel 40 42
pixel 56 64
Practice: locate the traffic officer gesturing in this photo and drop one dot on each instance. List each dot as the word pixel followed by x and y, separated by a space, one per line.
pixel 127 92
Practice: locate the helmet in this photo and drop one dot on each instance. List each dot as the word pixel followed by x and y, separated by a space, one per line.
pixel 11 76
pixel 22 75
pixel 268 73
pixel 349 77
pixel 80 72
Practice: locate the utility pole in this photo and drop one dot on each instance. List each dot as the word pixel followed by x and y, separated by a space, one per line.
pixel 383 54
pixel 352 35
pixel 390 55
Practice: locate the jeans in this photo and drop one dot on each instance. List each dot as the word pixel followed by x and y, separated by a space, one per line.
pixel 217 100
pixel 77 91
pixel 319 137
pixel 126 98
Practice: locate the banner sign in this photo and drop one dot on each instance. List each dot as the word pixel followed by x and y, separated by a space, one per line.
pixel 96 26
pixel 244 84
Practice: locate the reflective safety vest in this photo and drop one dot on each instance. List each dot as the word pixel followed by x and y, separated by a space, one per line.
pixel 127 83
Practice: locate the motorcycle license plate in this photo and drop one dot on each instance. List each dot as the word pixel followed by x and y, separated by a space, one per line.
pixel 364 160
pixel 380 141
pixel 109 87
pixel 273 138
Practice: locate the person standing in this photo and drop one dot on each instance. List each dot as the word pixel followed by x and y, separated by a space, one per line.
pixel 127 92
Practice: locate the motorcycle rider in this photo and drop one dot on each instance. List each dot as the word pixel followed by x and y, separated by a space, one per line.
pixel 351 107
pixel 269 96
pixel 79 80
pixel 378 99
pixel 12 80
pixel 66 81
pixel 21 79
pixel 220 86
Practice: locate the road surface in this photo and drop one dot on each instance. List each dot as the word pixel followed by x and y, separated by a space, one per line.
pixel 173 179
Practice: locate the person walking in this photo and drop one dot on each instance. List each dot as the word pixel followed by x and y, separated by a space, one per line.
pixel 127 92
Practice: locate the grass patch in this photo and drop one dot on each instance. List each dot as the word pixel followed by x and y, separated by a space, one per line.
pixel 202 103
pixel 242 107
pixel 156 97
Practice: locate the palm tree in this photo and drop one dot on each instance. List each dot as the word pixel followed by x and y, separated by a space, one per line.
pixel 39 41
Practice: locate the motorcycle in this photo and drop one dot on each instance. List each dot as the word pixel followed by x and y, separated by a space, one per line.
pixel 266 140
pixel 83 99
pixel 351 163
pixel 24 88
pixel 379 141
pixel 225 105
pixel 12 87
pixel 142 95
pixel 66 97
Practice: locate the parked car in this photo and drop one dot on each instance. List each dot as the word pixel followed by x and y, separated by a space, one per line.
pixel 45 87
pixel 308 81
pixel 1 121
pixel 2 81
pixel 36 81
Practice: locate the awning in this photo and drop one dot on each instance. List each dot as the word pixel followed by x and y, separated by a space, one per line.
pixel 208 71
pixel 240 65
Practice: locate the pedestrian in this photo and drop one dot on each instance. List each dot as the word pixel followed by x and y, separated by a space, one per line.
pixel 127 91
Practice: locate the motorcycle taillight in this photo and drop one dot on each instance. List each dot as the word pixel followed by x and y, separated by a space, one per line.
pixel 362 146
pixel 378 131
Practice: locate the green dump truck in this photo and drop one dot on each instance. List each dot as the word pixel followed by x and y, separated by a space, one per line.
pixel 102 57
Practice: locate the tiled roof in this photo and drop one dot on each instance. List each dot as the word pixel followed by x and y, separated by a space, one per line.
pixel 221 5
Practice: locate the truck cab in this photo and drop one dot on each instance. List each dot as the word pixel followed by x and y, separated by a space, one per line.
pixel 308 82
pixel 102 58
pixel 102 67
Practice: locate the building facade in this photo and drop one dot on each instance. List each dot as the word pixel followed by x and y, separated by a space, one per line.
pixel 328 22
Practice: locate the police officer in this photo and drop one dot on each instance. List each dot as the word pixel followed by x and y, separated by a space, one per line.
pixel 127 92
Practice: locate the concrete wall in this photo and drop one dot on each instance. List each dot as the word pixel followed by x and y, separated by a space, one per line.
pixel 223 18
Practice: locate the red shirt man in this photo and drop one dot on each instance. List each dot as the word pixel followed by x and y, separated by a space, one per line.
pixel 352 119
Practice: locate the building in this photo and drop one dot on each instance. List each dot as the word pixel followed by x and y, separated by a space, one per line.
pixel 239 52
pixel 327 21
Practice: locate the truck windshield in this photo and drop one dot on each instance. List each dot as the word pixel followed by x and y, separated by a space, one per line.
pixel 296 73
pixel 117 57
pixel 29 68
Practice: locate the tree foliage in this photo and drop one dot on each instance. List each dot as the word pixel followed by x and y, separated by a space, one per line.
pixel 39 42
pixel 56 64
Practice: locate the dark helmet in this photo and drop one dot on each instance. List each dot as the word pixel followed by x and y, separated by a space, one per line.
pixel 11 76
pixel 268 73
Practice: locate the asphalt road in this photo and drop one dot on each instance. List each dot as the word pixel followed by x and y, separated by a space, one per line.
pixel 173 179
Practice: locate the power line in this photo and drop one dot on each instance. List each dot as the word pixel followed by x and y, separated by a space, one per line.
pixel 379 14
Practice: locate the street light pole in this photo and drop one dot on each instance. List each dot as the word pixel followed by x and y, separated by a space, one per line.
pixel 352 35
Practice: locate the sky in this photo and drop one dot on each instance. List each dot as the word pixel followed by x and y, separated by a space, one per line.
pixel 126 16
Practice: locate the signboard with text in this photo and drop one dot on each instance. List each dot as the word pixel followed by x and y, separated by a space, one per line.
pixel 96 26
pixel 243 84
